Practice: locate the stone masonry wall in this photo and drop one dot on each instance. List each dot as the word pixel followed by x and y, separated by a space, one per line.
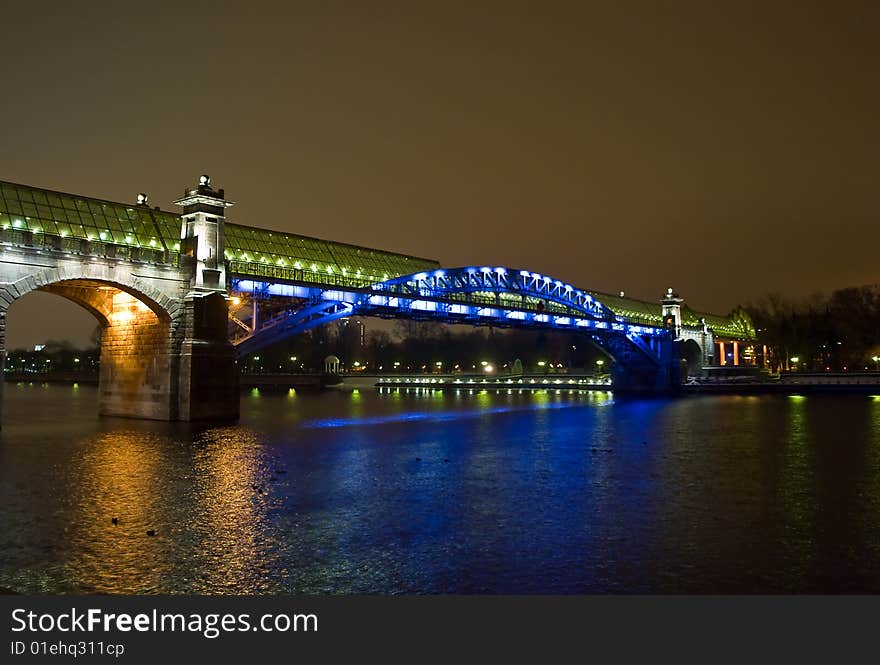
pixel 135 376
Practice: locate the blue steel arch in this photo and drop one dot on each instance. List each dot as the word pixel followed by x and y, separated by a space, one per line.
pixel 533 289
pixel 471 295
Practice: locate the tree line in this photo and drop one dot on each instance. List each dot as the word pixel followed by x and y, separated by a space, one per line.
pixel 839 332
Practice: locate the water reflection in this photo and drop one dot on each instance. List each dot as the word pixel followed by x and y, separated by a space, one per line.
pixel 413 490
pixel 230 475
pixel 114 492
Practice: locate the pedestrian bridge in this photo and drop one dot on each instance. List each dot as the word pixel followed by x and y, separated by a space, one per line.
pixel 180 295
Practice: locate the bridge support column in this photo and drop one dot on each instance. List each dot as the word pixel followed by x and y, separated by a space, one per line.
pixel 207 365
pixel 634 373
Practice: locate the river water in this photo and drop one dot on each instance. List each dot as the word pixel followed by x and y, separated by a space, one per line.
pixel 437 492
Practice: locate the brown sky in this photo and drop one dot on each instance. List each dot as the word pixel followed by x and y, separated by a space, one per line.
pixel 724 151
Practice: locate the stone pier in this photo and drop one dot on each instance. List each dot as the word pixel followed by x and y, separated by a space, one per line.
pixel 163 312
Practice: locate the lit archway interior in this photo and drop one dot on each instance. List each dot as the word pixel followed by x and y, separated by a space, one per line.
pixel 135 357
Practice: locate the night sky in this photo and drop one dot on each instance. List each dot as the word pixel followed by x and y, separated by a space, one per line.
pixel 726 152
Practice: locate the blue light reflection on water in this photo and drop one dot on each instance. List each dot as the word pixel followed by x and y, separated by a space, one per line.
pixel 432 416
pixel 551 492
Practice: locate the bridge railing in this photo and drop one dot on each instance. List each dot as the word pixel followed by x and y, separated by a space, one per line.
pixel 504 300
pixel 82 246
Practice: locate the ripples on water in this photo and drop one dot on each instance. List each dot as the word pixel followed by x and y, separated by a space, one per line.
pixel 431 492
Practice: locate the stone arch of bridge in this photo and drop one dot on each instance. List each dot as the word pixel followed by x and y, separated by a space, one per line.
pixel 137 329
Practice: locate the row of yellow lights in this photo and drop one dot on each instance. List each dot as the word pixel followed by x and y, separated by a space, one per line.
pixel 102 235
pixel 128 239
pixel 297 265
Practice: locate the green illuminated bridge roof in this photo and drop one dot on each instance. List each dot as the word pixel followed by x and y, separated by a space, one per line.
pixel 736 325
pixel 251 252
pixel 260 253
pixel 40 211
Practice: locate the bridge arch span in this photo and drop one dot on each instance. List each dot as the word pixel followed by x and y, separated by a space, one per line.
pixel 96 275
pixel 137 322
pixel 642 355
pixel 511 288
pixel 691 353
pixel 479 296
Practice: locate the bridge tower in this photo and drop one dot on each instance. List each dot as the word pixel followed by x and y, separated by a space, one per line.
pixel 207 371
pixel 672 312
pixel 202 234
pixel 672 320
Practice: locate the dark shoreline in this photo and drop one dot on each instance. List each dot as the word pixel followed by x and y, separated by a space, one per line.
pixel 784 389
